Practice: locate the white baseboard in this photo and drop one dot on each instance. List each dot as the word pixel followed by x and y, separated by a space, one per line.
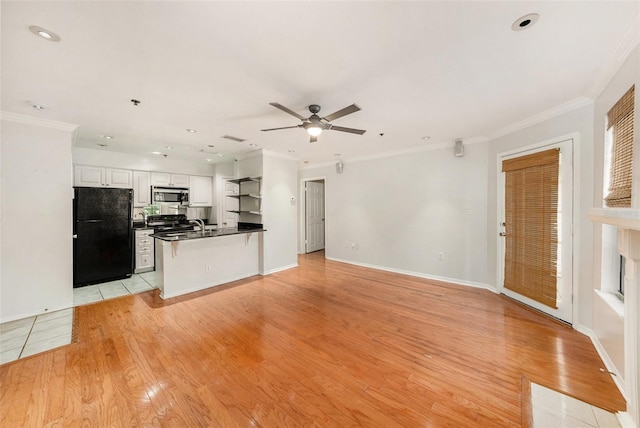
pixel 418 274
pixel 280 269
pixel 625 420
pixel 608 363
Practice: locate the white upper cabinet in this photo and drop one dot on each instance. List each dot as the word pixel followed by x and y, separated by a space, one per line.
pixel 200 191
pixel 120 178
pixel 92 176
pixel 169 180
pixel 179 180
pixel 141 188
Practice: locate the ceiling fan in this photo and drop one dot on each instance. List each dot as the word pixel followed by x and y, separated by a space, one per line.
pixel 315 124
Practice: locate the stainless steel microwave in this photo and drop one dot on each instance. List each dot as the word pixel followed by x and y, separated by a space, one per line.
pixel 169 195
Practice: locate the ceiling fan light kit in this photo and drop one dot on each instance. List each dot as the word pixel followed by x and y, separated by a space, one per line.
pixel 314 124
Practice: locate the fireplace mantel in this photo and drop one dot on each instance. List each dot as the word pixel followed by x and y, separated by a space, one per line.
pixel 623 218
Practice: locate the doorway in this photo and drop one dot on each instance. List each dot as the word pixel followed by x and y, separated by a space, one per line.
pixel 314 215
pixel 535 194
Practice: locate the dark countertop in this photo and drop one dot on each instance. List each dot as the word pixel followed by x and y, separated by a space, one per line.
pixel 141 225
pixel 213 233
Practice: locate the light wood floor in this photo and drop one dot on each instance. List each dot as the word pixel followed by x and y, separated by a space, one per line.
pixel 324 344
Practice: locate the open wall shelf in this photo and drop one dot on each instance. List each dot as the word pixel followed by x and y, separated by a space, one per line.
pixel 249 198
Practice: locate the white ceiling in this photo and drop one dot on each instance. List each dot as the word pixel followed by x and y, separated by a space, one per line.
pixel 441 69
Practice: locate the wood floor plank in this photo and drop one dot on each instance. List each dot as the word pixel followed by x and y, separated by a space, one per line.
pixel 324 344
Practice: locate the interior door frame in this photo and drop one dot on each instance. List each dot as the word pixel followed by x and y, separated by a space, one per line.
pixel 575 217
pixel 302 213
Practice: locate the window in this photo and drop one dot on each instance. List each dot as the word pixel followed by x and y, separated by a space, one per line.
pixel 620 124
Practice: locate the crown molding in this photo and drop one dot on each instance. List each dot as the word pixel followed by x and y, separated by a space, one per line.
pixel 616 58
pixel 36 121
pixel 542 117
pixel 416 149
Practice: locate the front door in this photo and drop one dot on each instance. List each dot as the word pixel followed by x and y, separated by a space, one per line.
pixel 315 216
pixel 536 228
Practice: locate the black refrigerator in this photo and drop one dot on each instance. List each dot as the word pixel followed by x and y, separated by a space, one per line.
pixel 102 228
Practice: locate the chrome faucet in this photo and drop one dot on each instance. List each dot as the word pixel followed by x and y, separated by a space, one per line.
pixel 200 223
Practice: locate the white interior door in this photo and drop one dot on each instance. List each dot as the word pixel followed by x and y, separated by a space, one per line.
pixel 564 284
pixel 314 200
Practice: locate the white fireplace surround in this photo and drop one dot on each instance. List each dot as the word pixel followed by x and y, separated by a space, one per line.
pixel 627 222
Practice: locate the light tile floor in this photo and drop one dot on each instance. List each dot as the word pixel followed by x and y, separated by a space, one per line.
pixel 29 336
pixel 552 409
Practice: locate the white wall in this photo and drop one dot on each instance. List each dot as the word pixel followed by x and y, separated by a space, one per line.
pixel 83 156
pixel 580 121
pixel 37 248
pixel 399 212
pixel 279 185
pixel 608 326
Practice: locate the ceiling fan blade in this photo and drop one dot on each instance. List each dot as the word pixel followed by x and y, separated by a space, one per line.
pixel 313 139
pixel 351 130
pixel 345 111
pixel 284 127
pixel 287 110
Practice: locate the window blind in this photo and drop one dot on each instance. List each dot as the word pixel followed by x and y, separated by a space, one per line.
pixel 531 225
pixel 620 118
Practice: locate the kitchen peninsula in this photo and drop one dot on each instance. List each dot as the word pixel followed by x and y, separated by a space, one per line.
pixel 196 260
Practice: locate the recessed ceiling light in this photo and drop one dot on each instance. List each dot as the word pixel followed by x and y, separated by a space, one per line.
pixel 525 22
pixel 107 137
pixel 156 153
pixel 253 145
pixel 426 137
pixel 220 155
pixel 192 131
pixel 103 145
pixel 209 159
pixel 44 33
pixel 168 147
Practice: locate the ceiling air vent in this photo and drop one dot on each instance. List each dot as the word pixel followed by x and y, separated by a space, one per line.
pixel 232 138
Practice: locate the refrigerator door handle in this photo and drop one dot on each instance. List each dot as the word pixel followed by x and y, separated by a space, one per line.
pixel 74 236
pixel 90 221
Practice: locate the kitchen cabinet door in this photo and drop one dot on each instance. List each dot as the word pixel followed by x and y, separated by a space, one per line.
pixel 200 191
pixel 179 180
pixel 141 188
pixel 118 178
pixel 88 176
pixel 167 179
pixel 160 179
pixel 95 176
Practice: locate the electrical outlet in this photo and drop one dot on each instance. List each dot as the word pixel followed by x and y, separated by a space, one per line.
pixel 440 255
pixel 207 268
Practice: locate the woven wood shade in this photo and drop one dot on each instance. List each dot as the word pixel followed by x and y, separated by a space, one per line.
pixel 531 225
pixel 620 118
